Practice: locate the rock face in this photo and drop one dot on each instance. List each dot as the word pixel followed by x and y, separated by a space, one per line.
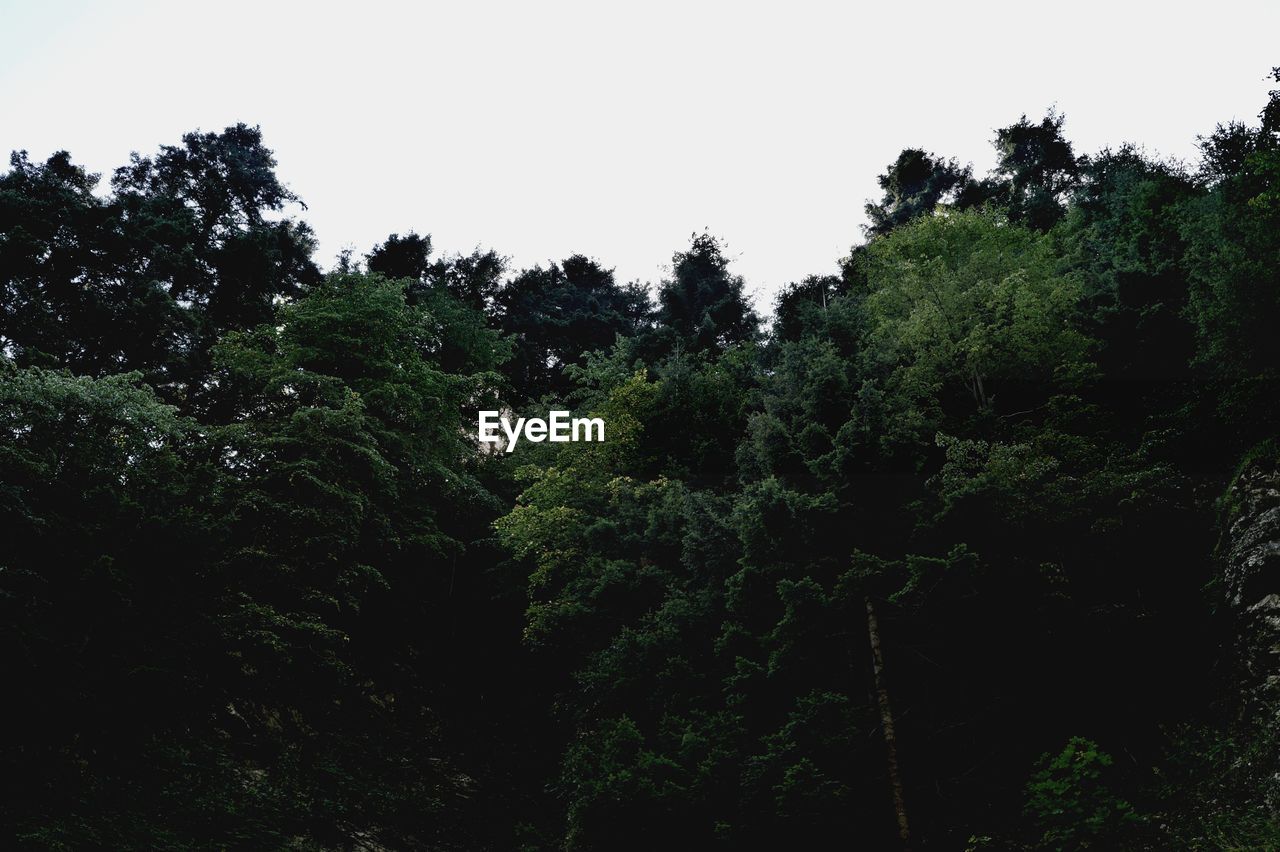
pixel 1251 570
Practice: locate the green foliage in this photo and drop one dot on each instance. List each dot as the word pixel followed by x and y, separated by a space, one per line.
pixel 552 524
pixel 557 315
pixel 1035 169
pixel 407 257
pixel 799 306
pixel 183 250
pixel 106 506
pixel 1071 804
pixel 320 529
pixel 702 308
pixel 967 304
pixel 915 185
pixel 264 589
pixel 1216 785
pixel 1232 255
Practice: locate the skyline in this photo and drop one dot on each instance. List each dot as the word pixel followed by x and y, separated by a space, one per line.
pixel 622 132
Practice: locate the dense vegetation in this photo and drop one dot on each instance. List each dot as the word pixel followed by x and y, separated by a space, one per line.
pixel 927 560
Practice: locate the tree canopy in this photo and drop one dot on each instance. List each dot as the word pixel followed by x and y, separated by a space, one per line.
pixel 929 556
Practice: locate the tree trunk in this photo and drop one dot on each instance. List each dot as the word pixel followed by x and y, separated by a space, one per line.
pixel 978 388
pixel 886 726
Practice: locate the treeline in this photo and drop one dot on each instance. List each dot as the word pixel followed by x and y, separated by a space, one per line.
pixel 262 588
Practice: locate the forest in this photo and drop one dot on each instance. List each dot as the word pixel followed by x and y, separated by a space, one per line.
pixel 969 542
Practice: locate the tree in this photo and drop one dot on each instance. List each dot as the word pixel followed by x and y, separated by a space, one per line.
pixel 354 506
pixel 916 184
pixel 970 303
pixel 401 257
pixel 196 220
pixel 702 307
pixel 70 295
pixel 798 302
pixel 105 596
pixel 959 508
pixel 1035 170
pixel 1233 259
pixel 556 316
pixel 472 279
pixel 182 251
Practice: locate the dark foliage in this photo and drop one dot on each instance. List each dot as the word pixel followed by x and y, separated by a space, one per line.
pixel 931 563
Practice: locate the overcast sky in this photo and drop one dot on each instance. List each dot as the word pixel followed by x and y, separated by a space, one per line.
pixel 545 129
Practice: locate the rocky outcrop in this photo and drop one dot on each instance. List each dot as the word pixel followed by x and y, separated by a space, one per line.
pixel 1251 571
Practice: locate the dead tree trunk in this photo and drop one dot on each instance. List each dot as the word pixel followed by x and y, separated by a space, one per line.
pixel 886 727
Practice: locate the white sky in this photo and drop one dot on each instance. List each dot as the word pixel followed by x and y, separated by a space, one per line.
pixel 542 129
